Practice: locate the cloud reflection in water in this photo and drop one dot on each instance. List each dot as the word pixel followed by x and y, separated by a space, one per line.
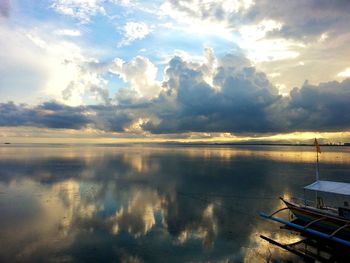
pixel 145 204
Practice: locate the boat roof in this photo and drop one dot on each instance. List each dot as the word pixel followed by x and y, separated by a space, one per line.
pixel 330 187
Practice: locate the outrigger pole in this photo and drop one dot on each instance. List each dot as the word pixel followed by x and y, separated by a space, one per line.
pixel 308 230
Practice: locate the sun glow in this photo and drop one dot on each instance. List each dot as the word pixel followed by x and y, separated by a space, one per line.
pixel 94 136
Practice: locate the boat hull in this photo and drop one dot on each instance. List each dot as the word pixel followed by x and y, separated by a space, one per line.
pixel 326 222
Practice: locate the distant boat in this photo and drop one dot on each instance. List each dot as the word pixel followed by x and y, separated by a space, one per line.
pixel 7 143
pixel 315 218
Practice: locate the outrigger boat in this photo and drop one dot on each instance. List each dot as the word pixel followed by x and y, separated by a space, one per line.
pixel 315 219
pixel 336 219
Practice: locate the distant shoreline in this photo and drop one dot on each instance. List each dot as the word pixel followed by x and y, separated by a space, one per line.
pixel 170 143
pixel 257 144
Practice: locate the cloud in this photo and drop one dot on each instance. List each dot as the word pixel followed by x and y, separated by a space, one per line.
pixel 123 2
pixel 272 36
pixel 314 17
pixel 237 98
pixel 68 32
pixel 322 107
pixel 260 48
pixel 48 114
pixel 110 118
pixel 237 101
pixel 345 73
pixel 69 75
pixel 140 73
pixel 20 57
pixel 214 11
pixel 85 10
pixel 82 10
pixel 38 64
pixel 225 94
pixel 5 8
pixel 134 31
pixel 59 116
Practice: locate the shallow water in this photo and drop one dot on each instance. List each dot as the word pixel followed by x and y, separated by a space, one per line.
pixel 150 203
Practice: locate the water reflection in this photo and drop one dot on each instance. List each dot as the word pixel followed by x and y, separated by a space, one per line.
pixel 138 215
pixel 148 204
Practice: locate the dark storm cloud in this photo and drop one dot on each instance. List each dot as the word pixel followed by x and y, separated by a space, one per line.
pixel 238 103
pixel 59 116
pixel 48 114
pixel 244 101
pixel 324 107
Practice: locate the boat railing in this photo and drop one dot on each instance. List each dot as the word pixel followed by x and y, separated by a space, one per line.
pixel 303 201
pixel 312 203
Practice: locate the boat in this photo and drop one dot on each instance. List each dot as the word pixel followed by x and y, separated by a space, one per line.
pixel 328 218
pixel 315 219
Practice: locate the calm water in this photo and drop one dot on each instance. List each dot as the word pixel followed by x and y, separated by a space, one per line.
pixel 150 204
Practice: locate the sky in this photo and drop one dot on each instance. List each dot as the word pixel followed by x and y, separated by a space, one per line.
pixel 198 70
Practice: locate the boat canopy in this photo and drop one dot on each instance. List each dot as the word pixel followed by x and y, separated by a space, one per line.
pixel 330 187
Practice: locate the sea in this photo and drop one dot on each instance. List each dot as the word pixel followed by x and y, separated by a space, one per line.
pixel 153 203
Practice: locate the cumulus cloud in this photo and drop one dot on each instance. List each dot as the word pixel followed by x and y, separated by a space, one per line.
pixel 140 73
pixel 241 99
pixel 225 94
pixel 238 99
pixel 235 97
pixel 134 31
